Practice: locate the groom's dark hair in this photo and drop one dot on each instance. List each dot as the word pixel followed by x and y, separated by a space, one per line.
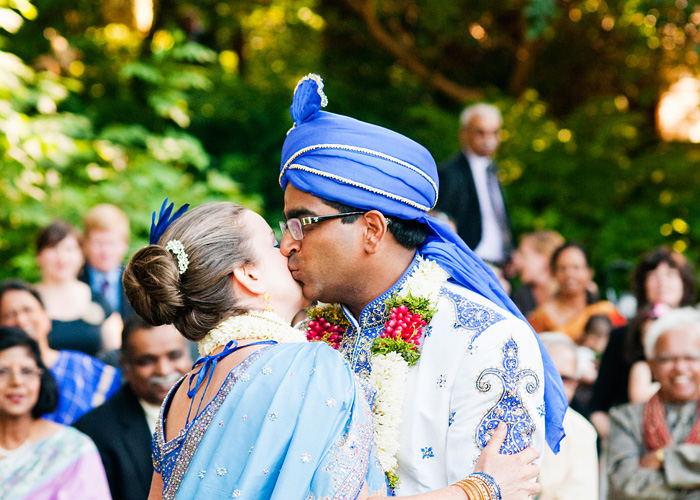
pixel 408 233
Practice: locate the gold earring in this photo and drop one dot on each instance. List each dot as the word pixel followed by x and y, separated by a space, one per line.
pixel 268 307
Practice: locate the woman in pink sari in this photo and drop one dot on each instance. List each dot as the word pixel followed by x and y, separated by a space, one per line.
pixel 39 459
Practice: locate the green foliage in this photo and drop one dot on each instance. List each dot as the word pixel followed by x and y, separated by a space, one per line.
pixel 409 352
pixel 57 164
pixel 393 479
pixel 331 313
pixel 92 111
pixel 416 305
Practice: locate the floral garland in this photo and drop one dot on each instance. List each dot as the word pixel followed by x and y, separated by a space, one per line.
pixel 396 349
pixel 263 325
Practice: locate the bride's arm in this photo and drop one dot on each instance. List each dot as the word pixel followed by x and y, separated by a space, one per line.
pixel 512 473
pixel 156 492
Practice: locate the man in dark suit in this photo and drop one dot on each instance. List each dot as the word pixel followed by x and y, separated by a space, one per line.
pixel 153 359
pixel 106 243
pixel 469 189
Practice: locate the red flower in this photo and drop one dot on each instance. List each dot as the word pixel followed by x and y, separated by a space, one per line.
pixel 403 325
pixel 321 329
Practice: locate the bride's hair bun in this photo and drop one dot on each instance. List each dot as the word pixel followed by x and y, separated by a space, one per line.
pixel 194 297
pixel 152 285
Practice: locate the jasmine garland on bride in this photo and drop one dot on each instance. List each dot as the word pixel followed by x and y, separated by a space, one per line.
pixel 264 414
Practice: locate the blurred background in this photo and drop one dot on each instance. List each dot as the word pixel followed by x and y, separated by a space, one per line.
pixel 131 101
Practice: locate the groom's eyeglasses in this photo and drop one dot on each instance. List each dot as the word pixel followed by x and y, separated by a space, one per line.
pixel 296 225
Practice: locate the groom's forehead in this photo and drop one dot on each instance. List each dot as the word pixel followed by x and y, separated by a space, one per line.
pixel 298 203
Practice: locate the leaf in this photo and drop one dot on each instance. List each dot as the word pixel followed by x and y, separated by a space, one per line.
pixel 193 52
pixel 409 352
pixel 141 71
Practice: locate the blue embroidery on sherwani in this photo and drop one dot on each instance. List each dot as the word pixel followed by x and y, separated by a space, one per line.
pixel 427 452
pixel 471 316
pixel 541 410
pixel 356 345
pixel 509 408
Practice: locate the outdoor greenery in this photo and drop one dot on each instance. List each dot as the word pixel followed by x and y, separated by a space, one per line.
pixel 195 107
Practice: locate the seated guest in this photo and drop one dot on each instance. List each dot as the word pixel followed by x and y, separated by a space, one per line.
pixel 663 276
pixel 39 459
pixel 82 320
pixel 653 449
pixel 153 359
pixel 591 347
pixel 531 262
pixel 106 243
pixel 642 385
pixel 573 473
pixel 83 381
pixel 573 304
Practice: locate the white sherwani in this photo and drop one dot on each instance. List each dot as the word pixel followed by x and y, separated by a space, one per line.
pixel 479 365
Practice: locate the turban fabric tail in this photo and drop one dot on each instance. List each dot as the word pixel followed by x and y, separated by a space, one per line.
pixel 338 158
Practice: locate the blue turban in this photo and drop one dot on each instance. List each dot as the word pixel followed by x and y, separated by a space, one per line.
pixel 341 159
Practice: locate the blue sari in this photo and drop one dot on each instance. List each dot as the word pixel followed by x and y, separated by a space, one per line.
pixel 288 423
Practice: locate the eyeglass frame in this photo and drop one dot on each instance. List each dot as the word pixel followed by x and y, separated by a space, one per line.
pixel 24 373
pixel 305 221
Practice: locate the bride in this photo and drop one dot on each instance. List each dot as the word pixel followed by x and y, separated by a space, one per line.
pixel 264 414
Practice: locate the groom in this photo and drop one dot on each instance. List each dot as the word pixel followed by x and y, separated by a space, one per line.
pixel 356 202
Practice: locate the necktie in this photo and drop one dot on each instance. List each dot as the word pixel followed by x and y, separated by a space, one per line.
pixel 499 208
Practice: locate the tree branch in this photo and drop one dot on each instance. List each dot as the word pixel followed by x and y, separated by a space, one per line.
pixel 408 58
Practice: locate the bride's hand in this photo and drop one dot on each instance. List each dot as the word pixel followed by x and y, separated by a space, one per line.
pixel 513 473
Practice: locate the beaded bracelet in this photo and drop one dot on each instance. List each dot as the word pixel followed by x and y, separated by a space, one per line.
pixel 489 482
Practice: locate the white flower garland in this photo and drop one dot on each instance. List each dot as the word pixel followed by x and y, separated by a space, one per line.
pixel 426 281
pixel 263 325
pixel 389 375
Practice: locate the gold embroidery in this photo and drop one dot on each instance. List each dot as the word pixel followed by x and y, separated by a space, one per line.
pixel 369 152
pixel 361 186
pixel 319 89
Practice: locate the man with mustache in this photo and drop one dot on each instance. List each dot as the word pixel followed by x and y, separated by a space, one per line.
pixel 153 359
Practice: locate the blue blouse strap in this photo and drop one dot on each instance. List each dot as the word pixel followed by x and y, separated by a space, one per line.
pixel 207 370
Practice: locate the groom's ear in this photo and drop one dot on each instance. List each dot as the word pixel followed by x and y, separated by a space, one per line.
pixel 247 279
pixel 375 230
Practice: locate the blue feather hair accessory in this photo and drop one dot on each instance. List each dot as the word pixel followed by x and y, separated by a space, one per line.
pixel 164 220
pixel 308 99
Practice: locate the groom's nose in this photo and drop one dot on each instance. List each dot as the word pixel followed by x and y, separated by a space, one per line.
pixel 288 245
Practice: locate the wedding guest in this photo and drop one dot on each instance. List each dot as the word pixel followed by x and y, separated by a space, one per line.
pixel 531 262
pixel 663 277
pixel 573 304
pixel 39 459
pixel 573 473
pixel 81 319
pixel 83 381
pixel 653 449
pixel 153 359
pixel 106 243
pixel 470 190
pixel 591 347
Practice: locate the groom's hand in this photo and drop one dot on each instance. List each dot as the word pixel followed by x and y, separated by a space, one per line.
pixel 513 473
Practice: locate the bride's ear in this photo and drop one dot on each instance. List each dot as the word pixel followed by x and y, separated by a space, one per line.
pixel 248 279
